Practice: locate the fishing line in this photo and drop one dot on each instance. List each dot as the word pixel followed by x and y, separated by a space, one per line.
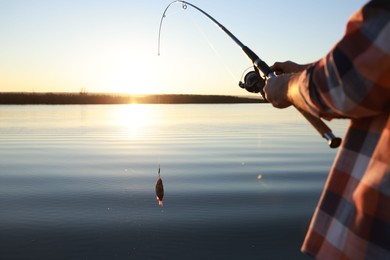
pixel 159 136
pixel 184 7
pixel 211 45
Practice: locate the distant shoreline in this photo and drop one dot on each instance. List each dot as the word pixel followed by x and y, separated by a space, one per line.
pixel 25 98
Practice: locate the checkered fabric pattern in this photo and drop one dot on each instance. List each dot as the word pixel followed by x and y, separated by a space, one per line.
pixel 352 219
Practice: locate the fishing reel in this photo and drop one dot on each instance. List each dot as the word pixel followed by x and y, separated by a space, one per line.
pixel 253 83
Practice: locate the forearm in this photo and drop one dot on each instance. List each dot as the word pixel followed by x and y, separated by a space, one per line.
pixel 353 80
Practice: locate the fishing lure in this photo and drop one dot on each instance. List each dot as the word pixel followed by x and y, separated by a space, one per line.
pixel 159 189
pixel 254 82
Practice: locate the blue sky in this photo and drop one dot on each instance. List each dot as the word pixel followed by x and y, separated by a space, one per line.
pixel 111 46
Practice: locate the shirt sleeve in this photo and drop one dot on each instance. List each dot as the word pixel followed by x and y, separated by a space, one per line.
pixel 353 79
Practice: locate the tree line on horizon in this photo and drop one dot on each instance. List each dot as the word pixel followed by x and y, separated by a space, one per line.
pixel 84 98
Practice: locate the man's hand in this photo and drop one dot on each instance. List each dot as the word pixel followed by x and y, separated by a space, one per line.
pixel 276 91
pixel 280 90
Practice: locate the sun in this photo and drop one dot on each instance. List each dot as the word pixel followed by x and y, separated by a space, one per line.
pixel 125 78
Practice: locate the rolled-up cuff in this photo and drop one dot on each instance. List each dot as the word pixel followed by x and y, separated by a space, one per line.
pixel 306 96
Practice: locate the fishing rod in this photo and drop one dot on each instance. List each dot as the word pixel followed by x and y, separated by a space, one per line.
pixel 253 81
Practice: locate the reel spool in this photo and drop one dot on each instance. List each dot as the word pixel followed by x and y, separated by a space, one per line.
pixel 253 83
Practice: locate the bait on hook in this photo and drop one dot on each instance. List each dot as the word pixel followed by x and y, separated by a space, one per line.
pixel 255 82
pixel 159 189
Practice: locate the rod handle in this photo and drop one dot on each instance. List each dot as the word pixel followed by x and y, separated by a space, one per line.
pixel 318 124
pixel 322 128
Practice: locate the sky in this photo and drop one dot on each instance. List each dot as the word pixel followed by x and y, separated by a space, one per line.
pixel 111 46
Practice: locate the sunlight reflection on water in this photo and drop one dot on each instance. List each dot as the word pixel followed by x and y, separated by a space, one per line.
pixel 135 118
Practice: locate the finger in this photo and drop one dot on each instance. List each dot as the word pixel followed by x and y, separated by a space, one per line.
pixel 278 71
pixel 277 68
pixel 276 65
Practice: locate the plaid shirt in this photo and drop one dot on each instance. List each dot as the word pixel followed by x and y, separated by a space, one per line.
pixel 352 219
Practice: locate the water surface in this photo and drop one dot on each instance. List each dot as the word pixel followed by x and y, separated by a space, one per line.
pixel 77 182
